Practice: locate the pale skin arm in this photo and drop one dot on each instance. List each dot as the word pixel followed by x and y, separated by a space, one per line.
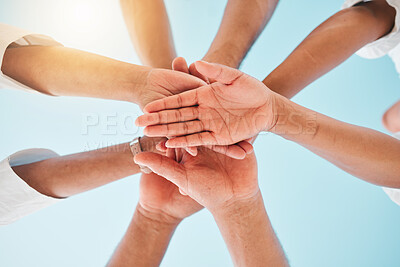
pixel 69 175
pixel 330 44
pixel 242 23
pixel 150 31
pixel 62 71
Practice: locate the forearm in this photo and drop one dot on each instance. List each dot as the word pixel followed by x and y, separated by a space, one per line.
pixel 150 31
pixel 330 44
pixel 362 152
pixel 242 23
pixel 69 175
pixel 64 71
pixel 249 235
pixel 145 241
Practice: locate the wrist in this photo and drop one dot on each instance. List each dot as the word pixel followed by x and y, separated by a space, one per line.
pixel 223 58
pixel 137 79
pixel 236 206
pixel 294 121
pixel 158 219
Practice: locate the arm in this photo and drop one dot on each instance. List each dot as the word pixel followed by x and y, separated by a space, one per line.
pixel 249 235
pixel 68 72
pixel 253 108
pixel 242 23
pixel 145 241
pixel 330 44
pixel 150 31
pixel 161 208
pixel 229 189
pixel 69 175
pixel 362 152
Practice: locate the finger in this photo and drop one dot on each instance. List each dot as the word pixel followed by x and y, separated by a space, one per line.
pixel 233 151
pixel 163 166
pixel 170 153
pixel 195 72
pixel 174 129
pixel 168 116
pixel 179 64
pixel 246 146
pixel 192 151
pixel 198 139
pixel 161 147
pixel 185 99
pixel 220 73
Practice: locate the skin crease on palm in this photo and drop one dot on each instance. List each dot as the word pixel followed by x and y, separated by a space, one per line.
pixel 221 113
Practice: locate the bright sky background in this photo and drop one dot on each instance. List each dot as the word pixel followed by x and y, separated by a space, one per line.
pixel 323 216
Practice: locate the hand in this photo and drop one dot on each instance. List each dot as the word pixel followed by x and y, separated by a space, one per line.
pixel 161 83
pixel 212 179
pixel 161 199
pixel 237 151
pixel 235 108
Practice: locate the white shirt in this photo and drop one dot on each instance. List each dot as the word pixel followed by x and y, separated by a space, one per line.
pixel 17 198
pixel 387 45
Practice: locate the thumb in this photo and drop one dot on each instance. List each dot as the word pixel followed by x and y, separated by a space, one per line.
pixel 217 72
pixel 163 166
pixel 179 64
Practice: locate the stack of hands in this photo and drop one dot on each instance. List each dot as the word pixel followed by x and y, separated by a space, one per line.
pixel 207 161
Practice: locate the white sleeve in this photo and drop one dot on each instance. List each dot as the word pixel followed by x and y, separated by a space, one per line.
pixel 393 193
pixel 17 198
pixel 385 44
pixel 19 37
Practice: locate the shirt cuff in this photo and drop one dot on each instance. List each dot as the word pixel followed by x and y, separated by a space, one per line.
pixel 17 198
pixel 385 44
pixel 13 35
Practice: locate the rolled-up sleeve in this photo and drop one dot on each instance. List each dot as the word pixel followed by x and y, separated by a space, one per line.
pixel 10 35
pixel 385 44
pixel 17 198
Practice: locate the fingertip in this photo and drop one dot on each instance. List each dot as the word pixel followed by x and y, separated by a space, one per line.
pixel 137 122
pixel 183 193
pixel 138 159
pixel 161 146
pixel 192 151
pixel 236 153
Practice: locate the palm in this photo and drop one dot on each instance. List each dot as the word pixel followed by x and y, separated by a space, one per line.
pixel 158 195
pixel 163 83
pixel 232 114
pixel 235 108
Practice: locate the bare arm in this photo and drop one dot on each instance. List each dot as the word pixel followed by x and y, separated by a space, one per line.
pixel 362 152
pixel 150 31
pixel 73 174
pixel 69 72
pixel 64 71
pixel 242 23
pixel 249 235
pixel 145 242
pixel 330 44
